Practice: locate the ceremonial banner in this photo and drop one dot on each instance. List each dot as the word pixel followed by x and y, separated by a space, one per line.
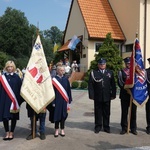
pixel 37 88
pixel 73 43
pixel 136 81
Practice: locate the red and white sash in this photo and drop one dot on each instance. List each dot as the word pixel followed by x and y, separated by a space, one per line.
pixel 61 90
pixel 14 106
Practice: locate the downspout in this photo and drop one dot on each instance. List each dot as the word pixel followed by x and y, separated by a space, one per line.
pixel 145 27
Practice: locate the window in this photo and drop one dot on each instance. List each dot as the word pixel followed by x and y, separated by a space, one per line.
pixel 97 46
pixel 129 48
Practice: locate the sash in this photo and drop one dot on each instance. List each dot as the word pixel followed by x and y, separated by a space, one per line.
pixel 61 89
pixel 14 105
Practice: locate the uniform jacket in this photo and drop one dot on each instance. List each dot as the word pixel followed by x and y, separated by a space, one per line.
pixel 102 87
pixel 121 81
pixel 5 102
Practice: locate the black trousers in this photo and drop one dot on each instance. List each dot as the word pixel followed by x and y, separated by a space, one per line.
pixel 125 103
pixel 102 114
pixel 62 124
pixel 147 107
pixel 6 125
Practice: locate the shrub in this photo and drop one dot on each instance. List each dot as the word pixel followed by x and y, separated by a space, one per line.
pixel 83 85
pixel 74 84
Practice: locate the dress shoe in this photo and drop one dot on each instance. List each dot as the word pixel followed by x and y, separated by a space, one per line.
pixel 6 138
pixel 56 133
pixel 148 131
pixel 134 132
pixel 30 137
pixel 11 137
pixel 123 132
pixel 97 130
pixel 107 130
pixel 62 134
pixel 42 136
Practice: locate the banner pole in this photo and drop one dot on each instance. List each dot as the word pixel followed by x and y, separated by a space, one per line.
pixel 129 116
pixel 34 115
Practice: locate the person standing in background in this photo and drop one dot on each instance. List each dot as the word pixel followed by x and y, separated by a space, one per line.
pixel 74 66
pixel 53 71
pixel 67 61
pixel 125 101
pixel 148 102
pixel 67 70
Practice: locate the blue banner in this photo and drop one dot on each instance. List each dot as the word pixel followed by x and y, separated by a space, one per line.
pixel 139 90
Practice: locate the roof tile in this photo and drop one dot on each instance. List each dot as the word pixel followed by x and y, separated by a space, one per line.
pixel 100 19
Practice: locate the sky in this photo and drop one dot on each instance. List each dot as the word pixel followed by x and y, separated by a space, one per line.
pixel 41 13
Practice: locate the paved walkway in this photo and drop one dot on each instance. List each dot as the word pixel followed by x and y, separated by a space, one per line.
pixel 79 130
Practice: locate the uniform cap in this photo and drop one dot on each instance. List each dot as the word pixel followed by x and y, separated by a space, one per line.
pixel 102 61
pixel 127 60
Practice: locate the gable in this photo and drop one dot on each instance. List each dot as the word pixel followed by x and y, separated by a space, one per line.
pixel 98 18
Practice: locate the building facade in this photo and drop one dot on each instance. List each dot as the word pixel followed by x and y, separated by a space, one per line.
pixel 92 20
pixel 134 17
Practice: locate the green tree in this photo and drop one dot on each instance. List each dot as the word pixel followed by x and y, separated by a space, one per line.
pixel 58 56
pixel 16 36
pixel 3 59
pixel 111 53
pixel 52 36
pixel 48 49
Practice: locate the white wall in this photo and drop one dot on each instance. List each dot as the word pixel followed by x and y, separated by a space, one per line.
pixel 76 26
pixel 131 17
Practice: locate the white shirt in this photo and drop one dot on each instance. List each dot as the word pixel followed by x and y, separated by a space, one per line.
pixel 67 69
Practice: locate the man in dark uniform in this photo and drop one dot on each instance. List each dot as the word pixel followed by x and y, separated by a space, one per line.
pixel 148 102
pixel 125 100
pixel 102 89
